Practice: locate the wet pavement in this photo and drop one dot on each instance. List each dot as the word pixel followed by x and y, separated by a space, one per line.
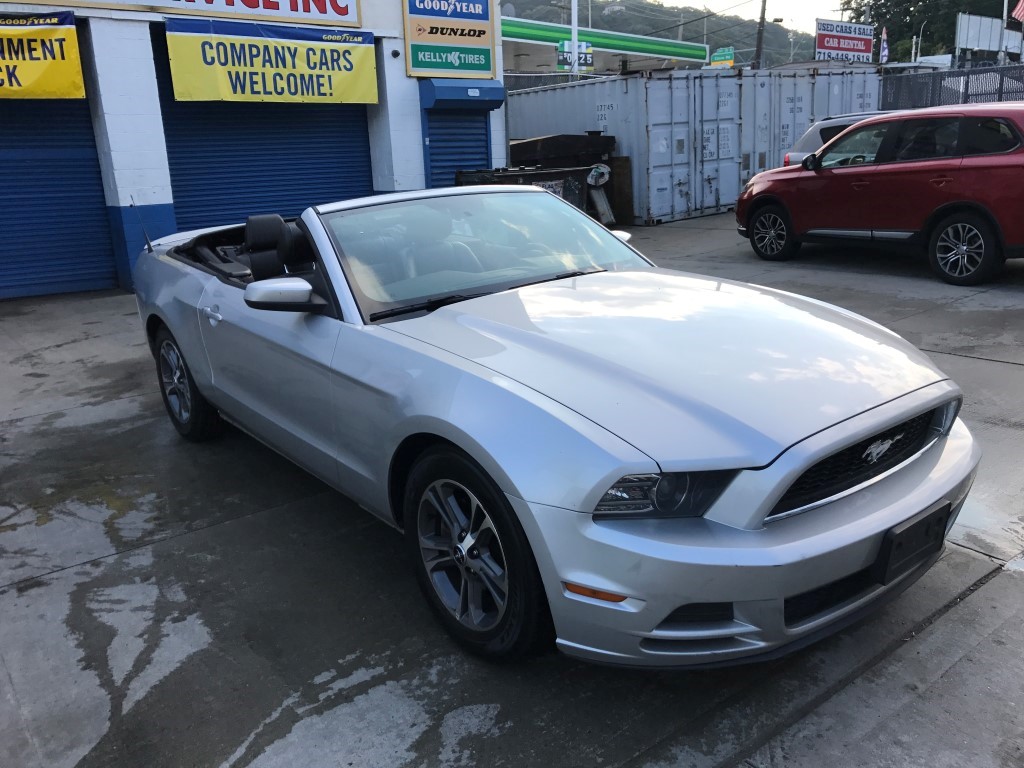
pixel 168 604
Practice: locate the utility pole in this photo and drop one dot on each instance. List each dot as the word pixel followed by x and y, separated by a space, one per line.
pixel 759 51
pixel 575 44
pixel 1001 59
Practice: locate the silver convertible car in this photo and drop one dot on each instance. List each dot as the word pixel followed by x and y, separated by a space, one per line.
pixel 647 467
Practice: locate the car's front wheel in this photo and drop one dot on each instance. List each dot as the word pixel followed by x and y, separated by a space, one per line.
pixel 192 415
pixel 472 559
pixel 771 234
pixel 964 250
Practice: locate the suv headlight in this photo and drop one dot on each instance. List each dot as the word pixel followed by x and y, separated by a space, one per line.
pixel 673 494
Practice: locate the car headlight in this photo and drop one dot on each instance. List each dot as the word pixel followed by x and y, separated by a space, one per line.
pixel 673 494
pixel 946 416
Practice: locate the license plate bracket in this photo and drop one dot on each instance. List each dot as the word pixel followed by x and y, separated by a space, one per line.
pixel 911 542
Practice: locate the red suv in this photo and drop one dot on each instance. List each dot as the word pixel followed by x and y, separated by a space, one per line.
pixel 947 178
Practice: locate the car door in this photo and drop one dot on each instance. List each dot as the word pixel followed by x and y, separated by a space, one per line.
pixel 830 201
pixel 921 174
pixel 271 372
pixel 991 170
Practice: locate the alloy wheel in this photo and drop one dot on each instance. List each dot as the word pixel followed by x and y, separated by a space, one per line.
pixel 960 249
pixel 770 234
pixel 463 555
pixel 174 380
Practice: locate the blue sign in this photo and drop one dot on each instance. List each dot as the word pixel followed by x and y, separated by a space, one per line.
pixel 466 10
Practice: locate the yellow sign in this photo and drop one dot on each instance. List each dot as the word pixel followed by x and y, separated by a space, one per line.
pixel 39 57
pixel 231 61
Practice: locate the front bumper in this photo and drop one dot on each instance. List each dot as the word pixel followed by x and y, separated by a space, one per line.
pixel 743 232
pixel 663 565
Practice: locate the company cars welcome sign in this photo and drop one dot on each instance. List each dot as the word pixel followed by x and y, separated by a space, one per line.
pixel 449 38
pixel 214 60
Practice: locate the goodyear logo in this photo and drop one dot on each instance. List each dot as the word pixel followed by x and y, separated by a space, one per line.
pixel 463 10
pixel 450 7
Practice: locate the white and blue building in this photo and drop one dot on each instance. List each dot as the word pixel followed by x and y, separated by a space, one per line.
pixel 84 177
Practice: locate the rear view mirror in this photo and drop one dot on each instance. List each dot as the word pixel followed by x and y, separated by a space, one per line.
pixel 811 162
pixel 284 294
pixel 622 235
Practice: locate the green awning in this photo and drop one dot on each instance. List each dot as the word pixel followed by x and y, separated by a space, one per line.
pixel 543 33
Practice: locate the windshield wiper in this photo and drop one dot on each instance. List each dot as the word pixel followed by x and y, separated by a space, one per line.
pixel 562 276
pixel 426 306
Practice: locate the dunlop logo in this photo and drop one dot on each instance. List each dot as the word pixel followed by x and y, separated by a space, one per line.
pixel 456 31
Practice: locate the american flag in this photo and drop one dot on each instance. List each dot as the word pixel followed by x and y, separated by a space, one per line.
pixel 1018 12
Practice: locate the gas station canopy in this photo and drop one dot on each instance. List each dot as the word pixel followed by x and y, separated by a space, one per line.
pixel 529 46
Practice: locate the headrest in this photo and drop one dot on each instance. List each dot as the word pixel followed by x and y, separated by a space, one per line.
pixel 261 232
pixel 293 247
pixel 427 225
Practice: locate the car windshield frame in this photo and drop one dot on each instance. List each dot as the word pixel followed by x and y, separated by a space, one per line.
pixel 398 232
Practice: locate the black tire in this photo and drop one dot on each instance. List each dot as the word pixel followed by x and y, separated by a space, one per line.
pixel 964 250
pixel 771 234
pixel 190 413
pixel 492 549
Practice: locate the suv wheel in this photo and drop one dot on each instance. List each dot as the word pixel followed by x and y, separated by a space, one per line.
pixel 964 250
pixel 771 234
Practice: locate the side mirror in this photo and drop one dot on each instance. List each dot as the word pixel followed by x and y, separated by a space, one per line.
pixel 811 162
pixel 622 235
pixel 284 294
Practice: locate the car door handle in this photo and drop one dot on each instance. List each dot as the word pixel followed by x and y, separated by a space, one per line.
pixel 212 314
pixel 859 184
pixel 941 181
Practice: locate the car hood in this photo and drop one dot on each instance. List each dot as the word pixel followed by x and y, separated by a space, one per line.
pixel 695 372
pixel 793 169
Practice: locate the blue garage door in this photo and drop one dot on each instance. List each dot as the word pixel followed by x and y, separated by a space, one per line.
pixel 54 229
pixel 458 141
pixel 229 160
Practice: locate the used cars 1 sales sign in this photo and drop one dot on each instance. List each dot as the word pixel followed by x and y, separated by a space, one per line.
pixel 214 60
pixel 449 38
pixel 844 41
pixel 39 57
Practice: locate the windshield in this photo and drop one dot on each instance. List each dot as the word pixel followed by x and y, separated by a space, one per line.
pixel 410 253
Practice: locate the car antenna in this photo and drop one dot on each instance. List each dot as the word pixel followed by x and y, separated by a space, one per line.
pixel 149 243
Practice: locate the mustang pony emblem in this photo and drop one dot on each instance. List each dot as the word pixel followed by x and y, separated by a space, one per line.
pixel 877 449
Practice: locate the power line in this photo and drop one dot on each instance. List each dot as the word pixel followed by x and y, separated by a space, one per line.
pixel 700 18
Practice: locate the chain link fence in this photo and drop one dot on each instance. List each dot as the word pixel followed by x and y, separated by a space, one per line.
pixel 958 86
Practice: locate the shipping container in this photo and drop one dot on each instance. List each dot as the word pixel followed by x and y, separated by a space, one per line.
pixel 693 138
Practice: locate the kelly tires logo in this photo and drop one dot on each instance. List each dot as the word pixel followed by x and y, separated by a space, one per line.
pixel 451 58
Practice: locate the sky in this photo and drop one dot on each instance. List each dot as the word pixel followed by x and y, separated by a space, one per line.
pixel 796 14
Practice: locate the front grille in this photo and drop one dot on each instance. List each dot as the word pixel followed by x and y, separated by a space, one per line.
pixel 852 466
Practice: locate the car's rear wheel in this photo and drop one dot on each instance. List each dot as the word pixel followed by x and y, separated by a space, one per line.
pixel 192 415
pixel 964 250
pixel 472 559
pixel 771 234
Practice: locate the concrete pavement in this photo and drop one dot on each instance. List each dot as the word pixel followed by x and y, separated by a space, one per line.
pixel 163 603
